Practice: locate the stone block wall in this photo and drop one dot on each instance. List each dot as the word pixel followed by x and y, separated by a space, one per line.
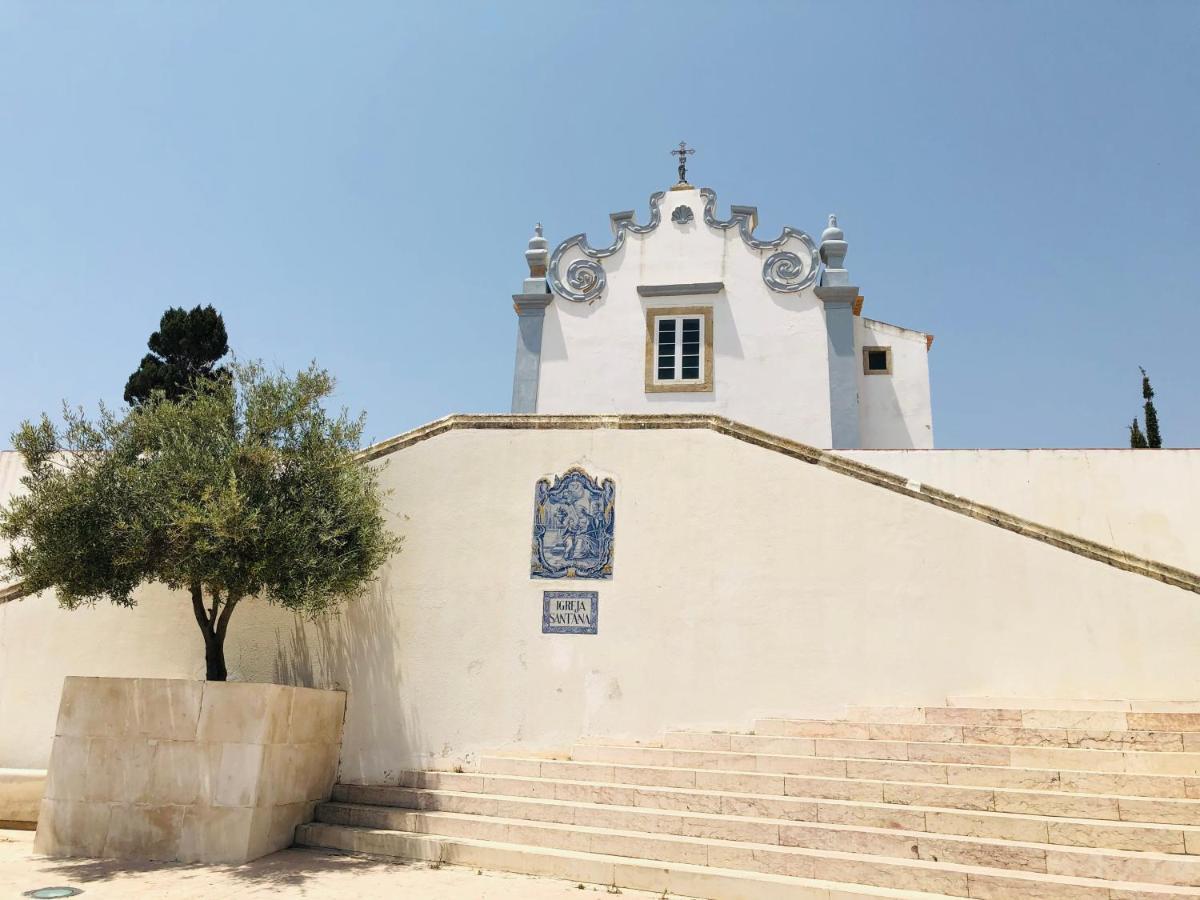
pixel 165 769
pixel 20 794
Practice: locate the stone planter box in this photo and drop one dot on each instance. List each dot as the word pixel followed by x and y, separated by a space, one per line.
pixel 195 771
pixel 20 795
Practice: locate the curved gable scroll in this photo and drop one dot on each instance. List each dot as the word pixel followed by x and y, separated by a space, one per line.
pixel 792 267
pixel 584 279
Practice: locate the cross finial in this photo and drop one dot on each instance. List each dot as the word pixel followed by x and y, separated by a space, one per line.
pixel 683 153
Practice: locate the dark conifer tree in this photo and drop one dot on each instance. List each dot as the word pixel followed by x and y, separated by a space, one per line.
pixel 1137 440
pixel 186 347
pixel 1153 437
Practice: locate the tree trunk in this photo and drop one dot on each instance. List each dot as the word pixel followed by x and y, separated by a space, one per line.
pixel 213 626
pixel 214 658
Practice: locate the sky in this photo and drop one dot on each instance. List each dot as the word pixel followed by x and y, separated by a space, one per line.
pixel 355 183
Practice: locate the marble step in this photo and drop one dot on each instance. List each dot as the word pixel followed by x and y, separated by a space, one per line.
pixel 1043 762
pixel 1068 703
pixel 879 747
pixel 988 735
pixel 901 872
pixel 1161 838
pixel 861 786
pixel 1072 719
pixel 1092 862
pixel 614 872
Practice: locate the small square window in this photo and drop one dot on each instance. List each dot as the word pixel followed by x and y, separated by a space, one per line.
pixel 877 360
pixel 679 342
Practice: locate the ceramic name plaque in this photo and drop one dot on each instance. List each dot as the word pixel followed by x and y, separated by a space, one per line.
pixel 570 612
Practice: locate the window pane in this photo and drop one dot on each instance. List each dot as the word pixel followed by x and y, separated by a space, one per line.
pixel 666 372
pixel 877 360
pixel 666 328
pixel 691 367
pixel 691 327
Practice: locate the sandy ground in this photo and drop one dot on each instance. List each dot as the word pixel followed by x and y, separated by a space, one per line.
pixel 308 874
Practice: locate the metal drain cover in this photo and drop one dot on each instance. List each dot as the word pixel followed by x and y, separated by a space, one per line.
pixel 49 893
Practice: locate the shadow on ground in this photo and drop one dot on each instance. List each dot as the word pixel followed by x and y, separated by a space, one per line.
pixel 287 868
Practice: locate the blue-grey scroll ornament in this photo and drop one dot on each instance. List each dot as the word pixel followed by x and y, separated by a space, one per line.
pixel 573 526
pixel 584 279
pixel 785 271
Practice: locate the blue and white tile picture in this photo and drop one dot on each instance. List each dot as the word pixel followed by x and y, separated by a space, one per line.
pixel 573 526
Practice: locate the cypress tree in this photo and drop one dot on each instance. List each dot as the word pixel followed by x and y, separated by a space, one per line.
pixel 1137 440
pixel 1153 437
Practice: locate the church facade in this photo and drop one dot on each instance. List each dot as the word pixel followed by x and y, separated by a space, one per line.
pixel 690 312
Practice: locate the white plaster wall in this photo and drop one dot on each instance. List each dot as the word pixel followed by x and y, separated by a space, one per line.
pixel 770 364
pixel 1141 501
pixel 745 584
pixel 894 410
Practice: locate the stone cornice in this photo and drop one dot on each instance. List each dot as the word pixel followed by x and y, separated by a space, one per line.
pixel 840 465
pixel 827 293
pixel 531 304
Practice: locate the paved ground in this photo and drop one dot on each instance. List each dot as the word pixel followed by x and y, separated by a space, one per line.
pixel 308 874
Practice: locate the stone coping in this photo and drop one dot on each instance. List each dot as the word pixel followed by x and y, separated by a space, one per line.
pixel 833 462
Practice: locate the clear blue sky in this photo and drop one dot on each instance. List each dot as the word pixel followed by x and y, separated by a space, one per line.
pixel 355 182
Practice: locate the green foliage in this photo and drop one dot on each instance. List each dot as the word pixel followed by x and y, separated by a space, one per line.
pixel 184 350
pixel 245 486
pixel 1137 440
pixel 1153 437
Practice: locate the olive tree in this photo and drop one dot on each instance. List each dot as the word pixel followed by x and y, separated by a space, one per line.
pixel 244 486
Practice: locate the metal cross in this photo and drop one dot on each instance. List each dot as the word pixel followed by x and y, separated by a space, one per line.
pixel 683 153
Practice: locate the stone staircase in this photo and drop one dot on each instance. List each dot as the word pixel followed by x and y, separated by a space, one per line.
pixel 981 799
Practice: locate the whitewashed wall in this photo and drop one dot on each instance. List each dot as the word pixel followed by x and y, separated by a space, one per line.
pixel 1141 501
pixel 770 365
pixel 745 583
pixel 894 410
pixel 771 357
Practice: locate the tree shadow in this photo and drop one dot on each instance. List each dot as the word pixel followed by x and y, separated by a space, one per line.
pixel 291 867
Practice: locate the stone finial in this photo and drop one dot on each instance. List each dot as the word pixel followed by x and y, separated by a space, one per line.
pixel 833 254
pixel 833 244
pixel 538 254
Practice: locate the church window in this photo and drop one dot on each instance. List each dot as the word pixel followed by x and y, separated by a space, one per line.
pixel 679 349
pixel 877 360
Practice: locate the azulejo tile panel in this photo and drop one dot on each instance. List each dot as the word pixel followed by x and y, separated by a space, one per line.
pixel 573 526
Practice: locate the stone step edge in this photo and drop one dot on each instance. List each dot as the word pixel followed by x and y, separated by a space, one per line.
pixel 861 714
pixel 854 759
pixel 649 870
pixel 737 816
pixel 843 855
pixel 868 742
pixel 769 820
pixel 739 795
pixel 934 784
pixel 1066 732
pixel 1084 705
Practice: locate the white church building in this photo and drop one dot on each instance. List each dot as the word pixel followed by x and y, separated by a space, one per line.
pixel 706 615
pixel 692 313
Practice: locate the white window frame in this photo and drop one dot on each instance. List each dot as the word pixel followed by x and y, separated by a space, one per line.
pixel 678 350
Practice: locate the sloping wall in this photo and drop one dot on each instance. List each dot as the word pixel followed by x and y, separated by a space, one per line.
pixel 745 583
pixel 1143 501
